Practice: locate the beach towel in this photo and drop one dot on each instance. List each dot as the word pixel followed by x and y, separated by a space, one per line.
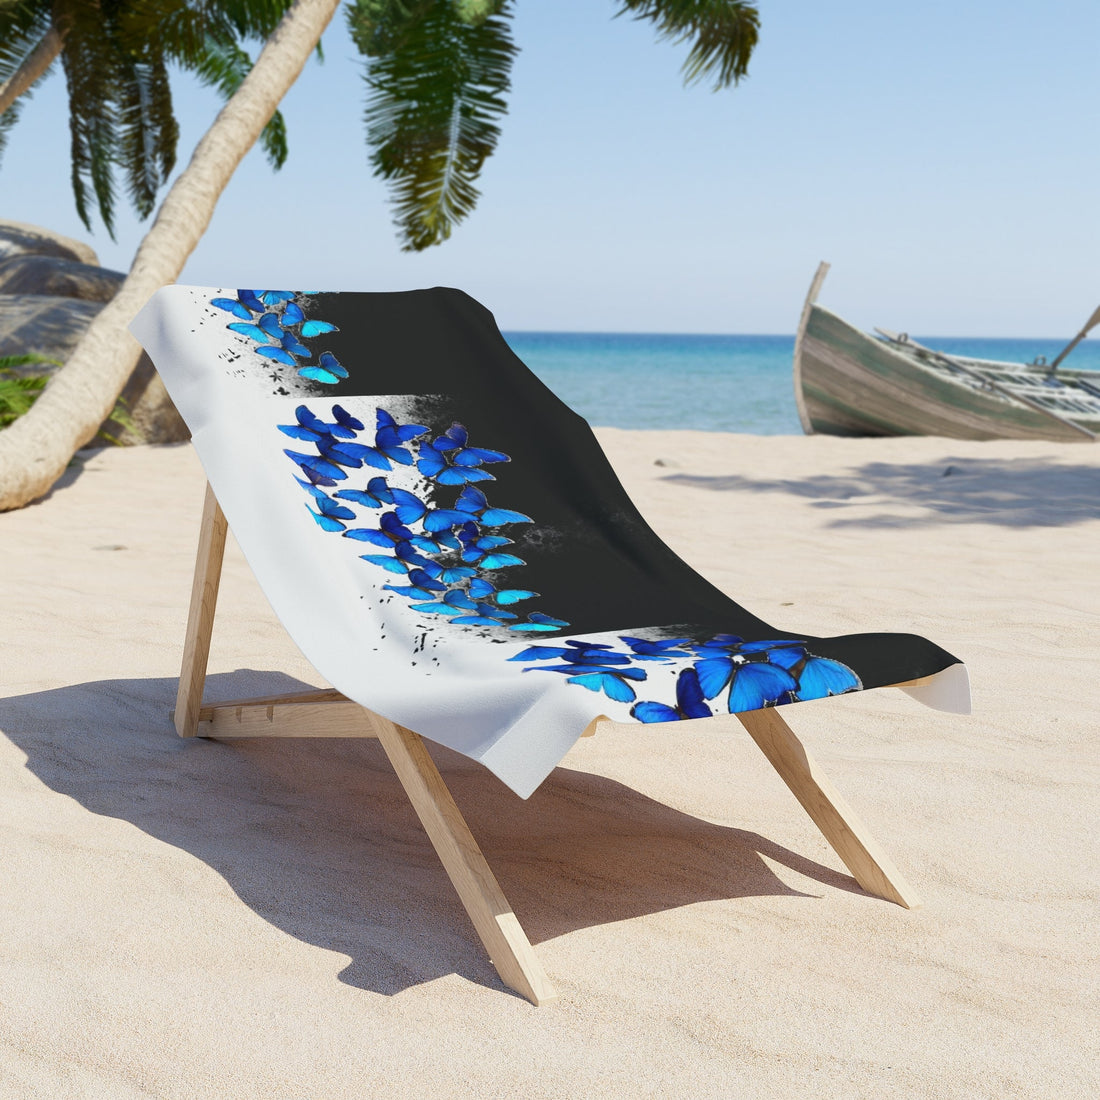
pixel 447 544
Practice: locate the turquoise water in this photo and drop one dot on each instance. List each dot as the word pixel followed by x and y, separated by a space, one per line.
pixel 710 383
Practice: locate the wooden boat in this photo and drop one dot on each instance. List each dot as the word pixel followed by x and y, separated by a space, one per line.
pixel 850 383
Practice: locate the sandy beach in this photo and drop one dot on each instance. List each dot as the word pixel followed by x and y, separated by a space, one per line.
pixel 266 919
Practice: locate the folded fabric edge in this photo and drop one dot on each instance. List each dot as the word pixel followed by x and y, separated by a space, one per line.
pixel 948 690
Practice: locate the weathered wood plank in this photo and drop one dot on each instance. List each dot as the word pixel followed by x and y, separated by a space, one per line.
pixel 871 867
pixel 200 616
pixel 509 949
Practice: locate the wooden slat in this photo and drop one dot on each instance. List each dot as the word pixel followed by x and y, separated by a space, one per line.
pixel 332 718
pixel 510 950
pixel 200 616
pixel 869 864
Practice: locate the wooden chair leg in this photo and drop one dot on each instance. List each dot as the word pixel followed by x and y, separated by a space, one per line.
pixel 200 617
pixel 510 950
pixel 869 864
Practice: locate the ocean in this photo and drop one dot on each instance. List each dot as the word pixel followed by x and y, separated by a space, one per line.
pixel 711 383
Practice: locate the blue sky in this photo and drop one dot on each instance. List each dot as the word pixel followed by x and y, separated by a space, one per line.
pixel 942 156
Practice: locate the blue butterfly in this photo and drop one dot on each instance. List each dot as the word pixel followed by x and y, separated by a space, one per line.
pixel 329 514
pixel 536 620
pixel 315 328
pixel 409 591
pixel 474 503
pixel 352 455
pixel 479 549
pixel 329 369
pixel 482 589
pixel 269 323
pixel 611 681
pixel 437 608
pixel 757 684
pixel 388 532
pixel 278 354
pixel 231 305
pixel 388 440
pixel 346 420
pixel 456 439
pixel 689 702
pixel 406 551
pixel 376 495
pixel 432 463
pixel 293 315
pixel 457 598
pixel 817 677
pixel 313 490
pixel 499 517
pixel 253 332
pixel 292 344
pixel 662 650
pixel 541 653
pixel 274 297
pixel 319 470
pixel 248 299
pixel 387 562
pixel 455 573
pixel 486 615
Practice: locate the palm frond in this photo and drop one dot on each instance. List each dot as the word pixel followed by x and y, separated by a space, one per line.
pixel 437 83
pixel 148 131
pixel 91 76
pixel 22 28
pixel 723 34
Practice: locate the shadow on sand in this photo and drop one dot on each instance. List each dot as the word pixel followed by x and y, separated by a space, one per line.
pixel 1017 492
pixel 316 836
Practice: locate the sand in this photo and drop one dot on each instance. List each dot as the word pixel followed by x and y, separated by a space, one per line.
pixel 265 919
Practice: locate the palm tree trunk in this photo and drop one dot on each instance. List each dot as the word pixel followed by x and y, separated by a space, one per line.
pixel 36 448
pixel 34 65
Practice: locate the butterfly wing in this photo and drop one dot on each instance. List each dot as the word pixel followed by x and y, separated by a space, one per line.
pixel 332 364
pixel 387 562
pixel 248 299
pixel 821 676
pixel 318 374
pixel 514 595
pixel 499 561
pixel 253 332
pixel 231 305
pixel 278 354
pixel 712 674
pixel 608 683
pixel 757 684
pixel 345 418
pixel 408 506
pixel 326 523
pixel 498 517
pixel 689 695
pixel 654 712
pixel 315 328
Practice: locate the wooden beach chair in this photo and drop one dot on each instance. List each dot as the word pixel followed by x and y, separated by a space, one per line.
pixel 190 335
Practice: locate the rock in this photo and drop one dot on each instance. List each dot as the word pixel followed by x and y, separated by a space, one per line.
pixel 18 238
pixel 153 418
pixel 50 289
pixel 52 275
pixel 43 324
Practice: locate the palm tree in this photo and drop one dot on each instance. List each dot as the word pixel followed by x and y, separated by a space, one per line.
pixel 115 57
pixel 437 69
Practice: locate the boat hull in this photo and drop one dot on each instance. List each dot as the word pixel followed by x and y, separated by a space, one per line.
pixel 849 383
